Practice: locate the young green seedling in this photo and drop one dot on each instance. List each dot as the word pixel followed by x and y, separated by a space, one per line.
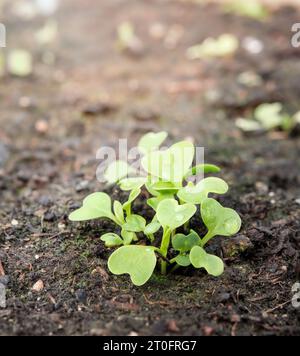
pixel 174 201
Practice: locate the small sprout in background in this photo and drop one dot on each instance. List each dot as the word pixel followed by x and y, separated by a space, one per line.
pixel 174 200
pixel 47 33
pixel 250 79
pixel 128 40
pixel 268 117
pixel 223 46
pixel 116 171
pixel 19 63
pixel 250 8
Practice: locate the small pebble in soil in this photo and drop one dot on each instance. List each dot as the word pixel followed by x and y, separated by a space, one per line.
pixel 4 280
pixel 42 126
pixel 223 297
pixel 14 222
pixel 38 286
pixel 236 245
pixel 84 185
pixel 49 216
pixel 45 201
pixel 207 330
pixel 81 296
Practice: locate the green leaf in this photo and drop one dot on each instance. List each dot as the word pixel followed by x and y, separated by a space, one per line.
pixel 172 164
pixel 195 194
pixel 223 46
pixel 152 228
pixel 151 141
pixel 202 168
pixel 248 125
pixel 118 211
pixel 132 196
pixel 185 243
pixel 183 260
pixel 135 223
pixel 171 214
pixel 154 202
pixel 219 220
pixel 138 261
pixel 20 63
pixel 132 183
pixel 111 240
pixel 166 187
pixel 269 115
pixel 116 171
pixel 200 259
pixel 128 237
pixel 95 206
pixel 250 8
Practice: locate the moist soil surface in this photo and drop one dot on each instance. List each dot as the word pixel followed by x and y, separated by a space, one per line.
pixel 84 94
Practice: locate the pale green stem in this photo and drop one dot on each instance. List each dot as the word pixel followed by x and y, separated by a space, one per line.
pixel 206 238
pixel 128 210
pixel 164 248
pixel 175 268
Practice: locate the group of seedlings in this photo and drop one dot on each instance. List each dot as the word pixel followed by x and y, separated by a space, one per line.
pixel 174 198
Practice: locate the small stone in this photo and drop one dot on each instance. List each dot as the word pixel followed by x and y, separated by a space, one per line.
pixel 223 297
pixel 235 318
pixel 45 201
pixel 261 188
pixel 14 222
pixel 25 102
pixel 49 216
pixel 82 186
pixel 298 201
pixel 4 280
pixel 172 326
pixel 41 126
pixel 133 333
pixel 38 286
pixel 157 30
pixel 207 330
pixel 81 296
pixel 236 245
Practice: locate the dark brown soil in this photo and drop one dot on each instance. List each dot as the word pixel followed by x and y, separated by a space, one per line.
pixel 94 95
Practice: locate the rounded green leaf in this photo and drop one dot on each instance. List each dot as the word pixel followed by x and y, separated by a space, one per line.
pixel 128 236
pixel 154 202
pixel 152 228
pixel 151 141
pixel 135 223
pixel 171 214
pixel 183 260
pixel 96 205
pixel 195 194
pixel 116 171
pixel 219 220
pixel 163 187
pixel 185 243
pixel 200 259
pixel 132 183
pixel 111 240
pixel 137 261
pixel 172 164
pixel 269 115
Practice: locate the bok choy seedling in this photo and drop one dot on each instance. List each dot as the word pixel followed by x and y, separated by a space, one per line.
pixel 167 238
